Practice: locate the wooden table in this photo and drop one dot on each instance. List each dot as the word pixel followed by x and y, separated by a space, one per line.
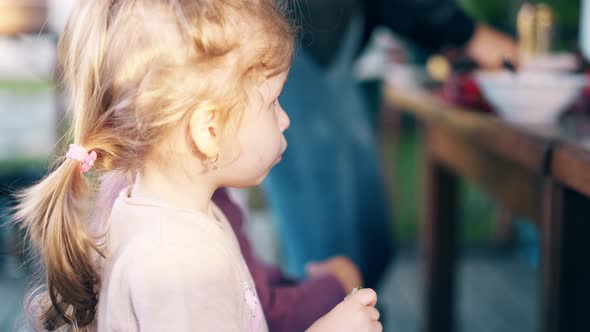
pixel 567 267
pixel 513 164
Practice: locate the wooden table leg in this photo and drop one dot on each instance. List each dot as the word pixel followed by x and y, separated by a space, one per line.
pixel 565 274
pixel 439 237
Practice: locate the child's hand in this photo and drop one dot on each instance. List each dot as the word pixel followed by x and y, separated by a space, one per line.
pixel 342 268
pixel 356 313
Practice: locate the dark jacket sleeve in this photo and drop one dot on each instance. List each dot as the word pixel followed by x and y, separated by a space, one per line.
pixel 431 24
pixel 289 305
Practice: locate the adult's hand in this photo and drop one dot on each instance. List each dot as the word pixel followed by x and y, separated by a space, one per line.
pixel 488 47
pixel 342 268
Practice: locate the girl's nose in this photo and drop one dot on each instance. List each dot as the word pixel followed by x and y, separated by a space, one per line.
pixel 284 121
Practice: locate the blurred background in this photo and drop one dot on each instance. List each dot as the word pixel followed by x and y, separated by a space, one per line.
pixel 498 270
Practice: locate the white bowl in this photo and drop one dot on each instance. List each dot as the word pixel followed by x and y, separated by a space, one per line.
pixel 530 97
pixel 554 62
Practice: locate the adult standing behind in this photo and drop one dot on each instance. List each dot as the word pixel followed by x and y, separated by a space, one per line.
pixel 327 195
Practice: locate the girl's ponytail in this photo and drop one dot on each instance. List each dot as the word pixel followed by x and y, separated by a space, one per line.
pixel 54 213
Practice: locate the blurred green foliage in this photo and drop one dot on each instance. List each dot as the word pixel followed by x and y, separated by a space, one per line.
pixel 490 11
pixel 24 86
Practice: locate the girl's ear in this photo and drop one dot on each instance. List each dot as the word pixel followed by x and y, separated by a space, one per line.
pixel 204 131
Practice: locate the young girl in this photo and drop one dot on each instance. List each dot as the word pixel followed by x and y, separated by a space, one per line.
pixel 181 95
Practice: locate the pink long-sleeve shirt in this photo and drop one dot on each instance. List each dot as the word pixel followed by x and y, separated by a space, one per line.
pixel 173 269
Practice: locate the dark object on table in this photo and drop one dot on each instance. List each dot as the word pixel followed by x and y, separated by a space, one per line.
pixel 509 65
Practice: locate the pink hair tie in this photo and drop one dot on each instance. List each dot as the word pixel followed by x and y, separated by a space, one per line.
pixel 86 159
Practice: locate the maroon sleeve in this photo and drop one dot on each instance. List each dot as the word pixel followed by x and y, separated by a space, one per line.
pixel 295 308
pixel 289 305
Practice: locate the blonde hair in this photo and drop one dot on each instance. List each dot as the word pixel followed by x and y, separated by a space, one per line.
pixel 135 70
